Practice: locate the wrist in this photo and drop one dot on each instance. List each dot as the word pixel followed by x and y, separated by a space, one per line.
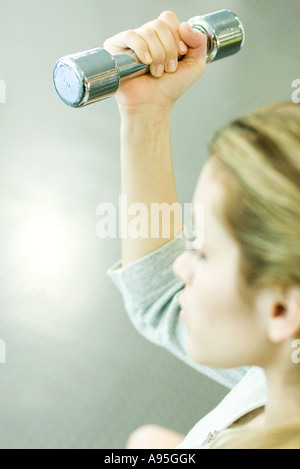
pixel 145 114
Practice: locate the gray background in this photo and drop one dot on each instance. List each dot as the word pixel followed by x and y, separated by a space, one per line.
pixel 77 374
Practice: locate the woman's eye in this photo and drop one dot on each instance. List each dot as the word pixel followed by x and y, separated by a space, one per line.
pixel 195 251
pixel 199 254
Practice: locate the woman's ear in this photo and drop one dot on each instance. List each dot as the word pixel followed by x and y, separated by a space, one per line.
pixel 284 316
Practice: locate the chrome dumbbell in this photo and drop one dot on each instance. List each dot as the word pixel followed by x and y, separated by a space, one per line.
pixel 93 75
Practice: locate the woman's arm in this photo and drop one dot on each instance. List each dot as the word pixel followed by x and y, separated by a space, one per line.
pixel 147 176
pixel 145 276
pixel 145 105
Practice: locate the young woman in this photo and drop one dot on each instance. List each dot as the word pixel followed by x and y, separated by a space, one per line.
pixel 239 292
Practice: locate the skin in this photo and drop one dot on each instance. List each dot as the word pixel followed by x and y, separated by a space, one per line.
pixel 145 104
pixel 229 328
pixel 165 40
pixel 222 325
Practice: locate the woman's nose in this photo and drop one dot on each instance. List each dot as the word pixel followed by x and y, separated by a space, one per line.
pixel 183 268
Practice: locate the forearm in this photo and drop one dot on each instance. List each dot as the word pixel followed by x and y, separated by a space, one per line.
pixel 147 178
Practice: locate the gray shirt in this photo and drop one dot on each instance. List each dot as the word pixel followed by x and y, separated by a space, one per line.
pixel 150 293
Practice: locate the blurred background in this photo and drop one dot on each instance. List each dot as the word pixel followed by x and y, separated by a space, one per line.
pixel 77 374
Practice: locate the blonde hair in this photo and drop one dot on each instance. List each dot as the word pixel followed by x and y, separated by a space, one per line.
pixel 261 153
pixel 258 160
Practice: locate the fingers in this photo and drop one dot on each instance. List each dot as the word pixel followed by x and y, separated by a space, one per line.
pixel 162 46
pixel 192 37
pixel 197 44
pixel 173 22
pixel 157 43
pixel 129 40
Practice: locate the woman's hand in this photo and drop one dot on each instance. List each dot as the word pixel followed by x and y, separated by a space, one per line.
pixel 159 44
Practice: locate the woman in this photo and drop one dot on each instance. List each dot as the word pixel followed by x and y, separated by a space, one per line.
pixel 239 293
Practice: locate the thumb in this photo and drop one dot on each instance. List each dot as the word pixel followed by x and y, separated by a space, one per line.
pixel 196 42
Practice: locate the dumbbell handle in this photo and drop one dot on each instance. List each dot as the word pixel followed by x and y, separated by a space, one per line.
pixel 93 75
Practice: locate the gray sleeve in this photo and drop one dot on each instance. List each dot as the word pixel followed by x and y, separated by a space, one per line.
pixel 150 293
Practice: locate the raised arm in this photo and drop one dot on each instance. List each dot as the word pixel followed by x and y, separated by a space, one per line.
pixel 146 105
pixel 145 276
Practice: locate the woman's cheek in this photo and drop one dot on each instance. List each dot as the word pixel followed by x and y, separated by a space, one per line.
pixel 206 283
pixel 210 301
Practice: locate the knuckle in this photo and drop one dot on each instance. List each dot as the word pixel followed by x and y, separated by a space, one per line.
pixel 149 26
pixel 147 30
pixel 155 25
pixel 169 16
pixel 108 45
pixel 129 33
pixel 159 23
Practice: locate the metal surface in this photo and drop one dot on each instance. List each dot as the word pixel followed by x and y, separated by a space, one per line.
pixel 225 32
pixel 94 75
pixel 84 77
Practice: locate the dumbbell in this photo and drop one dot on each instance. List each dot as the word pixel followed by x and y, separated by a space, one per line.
pixel 93 75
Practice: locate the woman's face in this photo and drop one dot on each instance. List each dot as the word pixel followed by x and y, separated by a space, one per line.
pixel 224 330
